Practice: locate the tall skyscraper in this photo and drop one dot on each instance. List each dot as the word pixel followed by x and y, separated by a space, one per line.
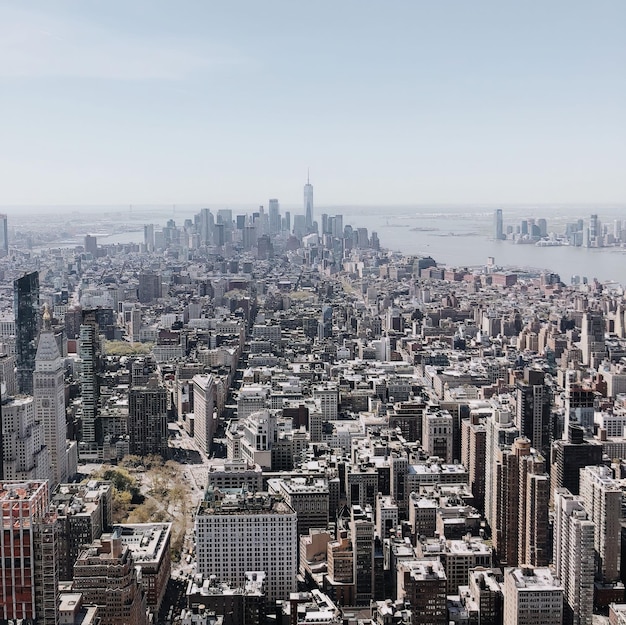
pixel 29 576
pixel 147 420
pixel 533 416
pixel 574 557
pixel 49 396
pixel 206 226
pixel 274 213
pixel 308 204
pixel 4 235
pixel 603 499
pixel 520 531
pixel 592 337
pixel 498 229
pixel 89 352
pixel 26 310
pixel 148 237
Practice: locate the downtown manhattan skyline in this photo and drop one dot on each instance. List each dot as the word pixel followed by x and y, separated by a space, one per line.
pixel 412 103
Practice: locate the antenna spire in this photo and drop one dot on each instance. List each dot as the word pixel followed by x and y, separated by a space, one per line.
pixel 307 176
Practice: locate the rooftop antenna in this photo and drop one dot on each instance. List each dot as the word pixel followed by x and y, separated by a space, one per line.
pixel 307 176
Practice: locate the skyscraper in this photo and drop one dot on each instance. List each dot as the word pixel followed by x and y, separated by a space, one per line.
pixel 498 229
pixel 274 212
pixel 88 352
pixel 533 410
pixel 4 236
pixel 147 420
pixel 574 557
pixel 308 204
pixel 26 310
pixel 49 396
pixel 29 576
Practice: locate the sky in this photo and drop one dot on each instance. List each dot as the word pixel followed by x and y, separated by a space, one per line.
pixel 386 102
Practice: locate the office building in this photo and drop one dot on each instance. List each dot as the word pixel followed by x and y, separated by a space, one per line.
pixel 574 557
pixel 26 310
pixel 29 575
pixel 204 403
pixel 498 227
pixel 147 419
pixel 237 533
pixel 49 400
pixel 91 245
pixel 149 288
pixel 149 544
pixel 274 217
pixel 106 575
pixel 533 417
pixel 570 456
pixel 532 596
pixel 308 206
pixel 26 456
pixel 437 432
pixel 4 235
pixel 89 354
pixel 592 342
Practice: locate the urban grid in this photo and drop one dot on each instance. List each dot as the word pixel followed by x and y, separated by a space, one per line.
pixel 267 418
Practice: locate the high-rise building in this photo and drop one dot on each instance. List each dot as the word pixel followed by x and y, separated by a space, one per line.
pixel 533 416
pixel 473 458
pixel 204 402
pixel 602 497
pixel 498 228
pixel 570 456
pixel 308 205
pixel 106 575
pixel 437 432
pixel 592 338
pixel 49 399
pixel 147 420
pixel 26 310
pixel 206 226
pixel 574 557
pixel 91 245
pixel 239 533
pixel 25 454
pixel 149 287
pixel 4 235
pixel 89 354
pixel 362 535
pixel 422 583
pixel 532 596
pixel 520 527
pixel 148 237
pixel 29 576
pixel 274 214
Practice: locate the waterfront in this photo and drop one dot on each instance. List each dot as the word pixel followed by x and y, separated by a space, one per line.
pixel 452 235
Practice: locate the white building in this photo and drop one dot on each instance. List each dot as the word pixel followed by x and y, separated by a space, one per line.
pixel 603 502
pixel 328 395
pixel 251 399
pixel 254 532
pixel 49 401
pixel 204 401
pixel 532 596
pixel 574 556
pixel 437 432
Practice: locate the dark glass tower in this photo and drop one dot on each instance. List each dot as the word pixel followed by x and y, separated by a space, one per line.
pixel 26 309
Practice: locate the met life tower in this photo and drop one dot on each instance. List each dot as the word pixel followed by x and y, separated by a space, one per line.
pixel 308 204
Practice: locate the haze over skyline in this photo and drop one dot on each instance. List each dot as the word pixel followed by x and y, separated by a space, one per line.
pixel 410 102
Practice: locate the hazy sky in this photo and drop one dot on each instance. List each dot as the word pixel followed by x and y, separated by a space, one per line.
pixel 393 102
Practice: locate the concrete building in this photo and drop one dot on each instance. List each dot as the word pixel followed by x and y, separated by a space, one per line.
pixel 438 435
pixel 147 420
pixel 237 533
pixel 49 400
pixel 602 498
pixel 532 596
pixel 149 544
pixel 106 575
pixel 574 557
pixel 422 583
pixel 204 402
pixel 236 474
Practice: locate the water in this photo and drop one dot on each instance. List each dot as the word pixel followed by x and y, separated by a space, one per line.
pixel 456 236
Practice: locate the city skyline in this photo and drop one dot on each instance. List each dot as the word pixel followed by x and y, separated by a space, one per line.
pixel 137 103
